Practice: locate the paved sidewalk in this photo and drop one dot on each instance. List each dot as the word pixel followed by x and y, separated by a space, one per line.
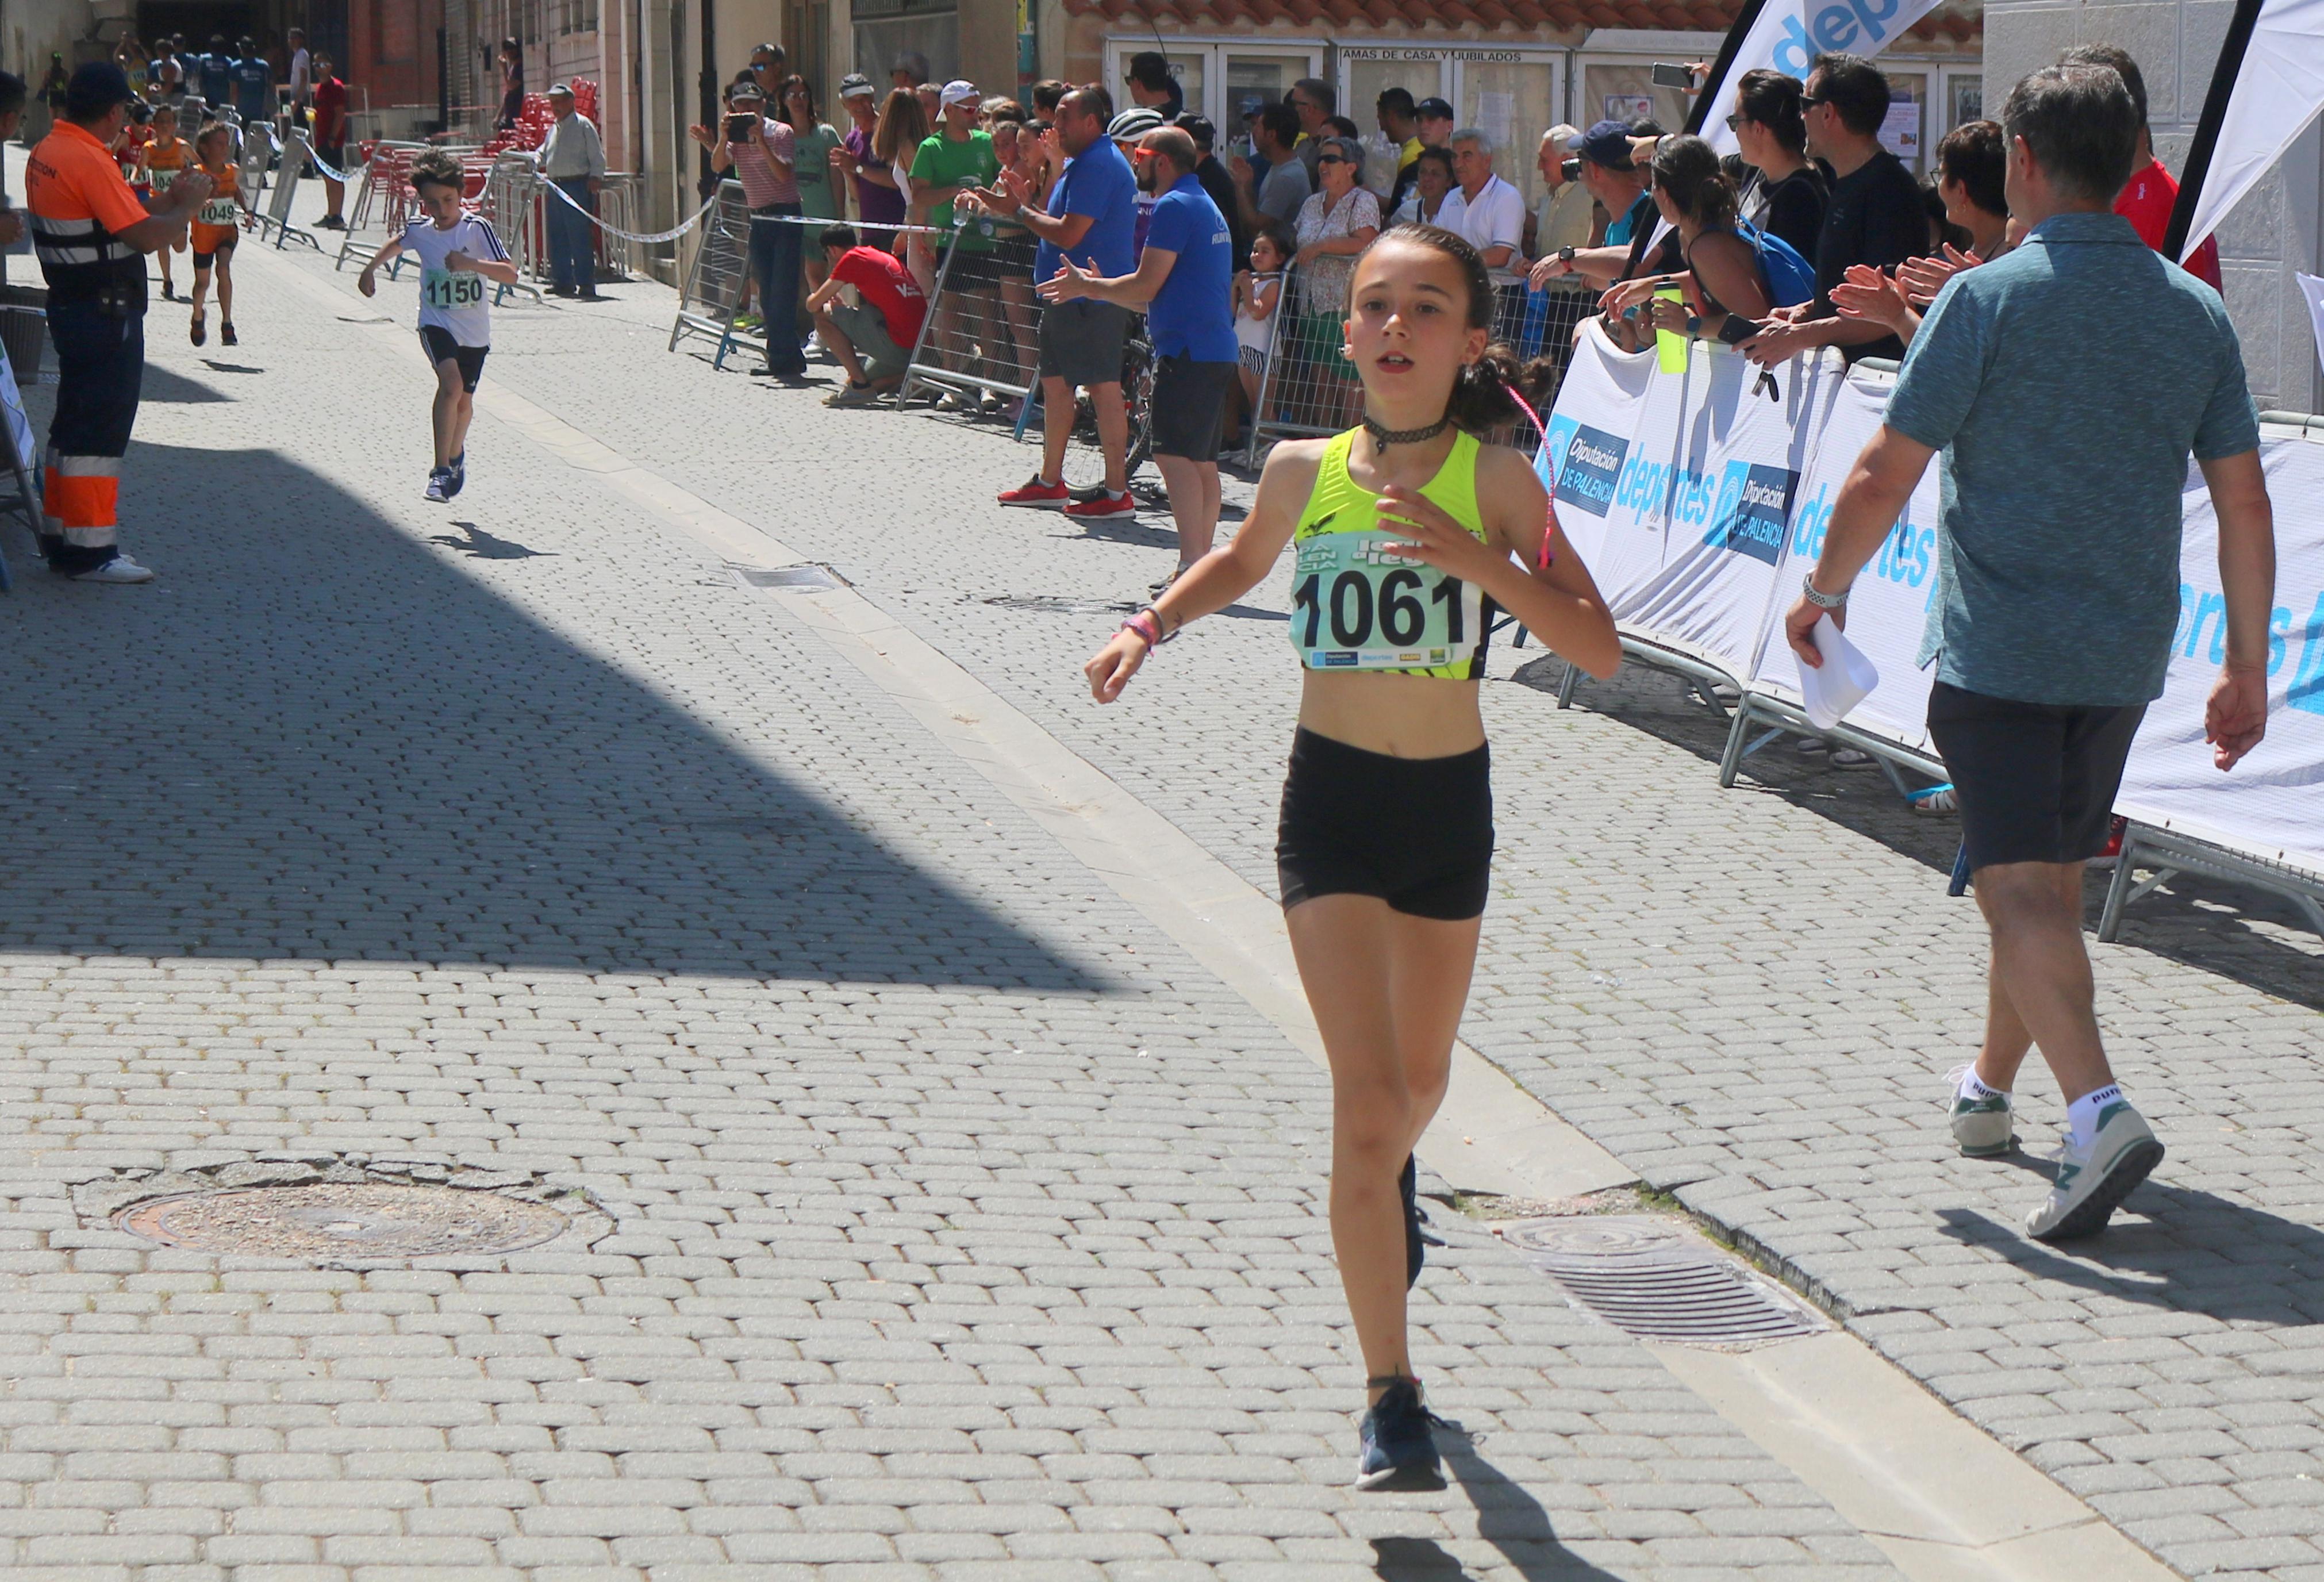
pixel 960 1224
pixel 1749 995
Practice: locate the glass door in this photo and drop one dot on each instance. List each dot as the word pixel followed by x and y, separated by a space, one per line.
pixel 1512 103
pixel 1259 76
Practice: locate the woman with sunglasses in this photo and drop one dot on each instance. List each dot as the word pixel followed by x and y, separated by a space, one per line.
pixel 1786 195
pixel 1335 227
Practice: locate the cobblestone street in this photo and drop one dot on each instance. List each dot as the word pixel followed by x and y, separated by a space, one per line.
pixel 935 1211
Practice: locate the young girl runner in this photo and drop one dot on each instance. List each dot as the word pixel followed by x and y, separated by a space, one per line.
pixel 164 160
pixel 457 254
pixel 1409 534
pixel 213 233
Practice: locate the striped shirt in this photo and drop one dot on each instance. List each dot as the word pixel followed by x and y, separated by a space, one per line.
pixel 761 184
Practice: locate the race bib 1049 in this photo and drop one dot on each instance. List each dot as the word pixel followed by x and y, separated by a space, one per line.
pixel 164 178
pixel 447 288
pixel 219 211
pixel 1356 608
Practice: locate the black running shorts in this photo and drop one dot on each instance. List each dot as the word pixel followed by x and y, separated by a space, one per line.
pixel 442 347
pixel 1416 832
pixel 2036 781
pixel 1190 407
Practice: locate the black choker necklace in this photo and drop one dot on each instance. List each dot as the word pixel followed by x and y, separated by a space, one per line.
pixel 1384 438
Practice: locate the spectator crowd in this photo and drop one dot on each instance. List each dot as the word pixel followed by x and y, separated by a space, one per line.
pixel 1027 237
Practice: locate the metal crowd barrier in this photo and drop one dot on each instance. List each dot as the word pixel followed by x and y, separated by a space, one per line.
pixel 296 155
pixel 712 293
pixel 982 333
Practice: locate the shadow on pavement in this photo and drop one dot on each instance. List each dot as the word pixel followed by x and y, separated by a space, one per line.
pixel 2198 922
pixel 2173 1247
pixel 316 738
pixel 1508 1518
pixel 477 544
pixel 161 384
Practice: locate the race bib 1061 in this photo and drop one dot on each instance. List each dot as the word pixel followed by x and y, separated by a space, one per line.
pixel 447 288
pixel 1356 608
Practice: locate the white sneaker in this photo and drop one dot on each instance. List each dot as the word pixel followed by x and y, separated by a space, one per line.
pixel 439 484
pixel 1980 1125
pixel 2093 1181
pixel 120 569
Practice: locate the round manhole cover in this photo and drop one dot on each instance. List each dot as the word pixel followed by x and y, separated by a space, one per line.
pixel 354 1221
pixel 1592 1235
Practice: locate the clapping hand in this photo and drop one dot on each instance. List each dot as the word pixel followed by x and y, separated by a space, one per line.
pixel 1870 296
pixel 1066 284
pixel 1923 278
pixel 1545 270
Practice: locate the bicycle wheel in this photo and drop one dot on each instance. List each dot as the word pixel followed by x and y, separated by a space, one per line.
pixel 1137 389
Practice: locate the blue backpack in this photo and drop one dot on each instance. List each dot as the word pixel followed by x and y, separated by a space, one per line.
pixel 1791 278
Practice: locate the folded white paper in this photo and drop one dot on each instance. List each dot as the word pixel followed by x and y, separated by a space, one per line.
pixel 1841 683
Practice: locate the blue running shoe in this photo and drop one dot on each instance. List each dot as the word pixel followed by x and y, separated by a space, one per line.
pixel 1395 1449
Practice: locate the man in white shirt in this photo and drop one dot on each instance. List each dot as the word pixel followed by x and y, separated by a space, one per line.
pixel 300 67
pixel 573 158
pixel 1484 208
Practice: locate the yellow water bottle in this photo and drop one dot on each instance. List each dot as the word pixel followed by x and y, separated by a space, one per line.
pixel 1670 349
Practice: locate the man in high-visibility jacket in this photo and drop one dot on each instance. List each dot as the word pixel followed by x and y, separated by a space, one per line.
pixel 91 235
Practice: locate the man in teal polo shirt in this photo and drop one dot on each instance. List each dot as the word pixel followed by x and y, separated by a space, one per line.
pixel 2067 383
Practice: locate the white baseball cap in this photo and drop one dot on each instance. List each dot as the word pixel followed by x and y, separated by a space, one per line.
pixel 960 91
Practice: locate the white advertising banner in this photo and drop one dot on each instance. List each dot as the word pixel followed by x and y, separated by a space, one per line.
pixel 1743 444
pixel 2271 804
pixel 1888 606
pixel 1788 36
pixel 1675 488
pixel 1588 460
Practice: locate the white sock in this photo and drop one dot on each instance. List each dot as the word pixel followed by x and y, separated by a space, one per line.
pixel 1973 1089
pixel 2083 1115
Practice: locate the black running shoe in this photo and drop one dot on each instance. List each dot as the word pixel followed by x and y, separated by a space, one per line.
pixel 1396 1450
pixel 1414 1249
pixel 1416 1241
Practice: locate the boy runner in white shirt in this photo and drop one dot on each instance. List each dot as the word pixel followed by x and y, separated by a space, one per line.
pixel 457 254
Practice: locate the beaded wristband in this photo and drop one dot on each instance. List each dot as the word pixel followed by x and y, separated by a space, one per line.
pixel 1144 623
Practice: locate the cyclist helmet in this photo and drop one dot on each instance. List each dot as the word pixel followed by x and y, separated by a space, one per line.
pixel 1135 122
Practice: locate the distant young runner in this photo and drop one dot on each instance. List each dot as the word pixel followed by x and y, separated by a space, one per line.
pixel 215 232
pixel 1408 533
pixel 165 159
pixel 457 254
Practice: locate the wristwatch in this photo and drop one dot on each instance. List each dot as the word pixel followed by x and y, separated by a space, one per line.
pixel 1565 255
pixel 1821 600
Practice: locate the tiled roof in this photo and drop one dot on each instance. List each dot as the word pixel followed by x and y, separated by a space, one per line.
pixel 1958 22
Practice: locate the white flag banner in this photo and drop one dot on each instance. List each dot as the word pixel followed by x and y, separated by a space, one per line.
pixel 1787 35
pixel 2274 92
pixel 2271 804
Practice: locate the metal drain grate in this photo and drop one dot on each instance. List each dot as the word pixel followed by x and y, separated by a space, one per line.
pixel 1644 1279
pixel 796 576
pixel 1049 604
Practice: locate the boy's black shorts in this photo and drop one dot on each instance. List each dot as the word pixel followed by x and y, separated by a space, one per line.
pixel 442 347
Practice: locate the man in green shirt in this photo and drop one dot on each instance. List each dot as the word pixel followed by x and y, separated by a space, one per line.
pixel 959 158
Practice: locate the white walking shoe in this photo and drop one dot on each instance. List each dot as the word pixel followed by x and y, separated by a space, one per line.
pixel 121 570
pixel 1980 1125
pixel 2093 1181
